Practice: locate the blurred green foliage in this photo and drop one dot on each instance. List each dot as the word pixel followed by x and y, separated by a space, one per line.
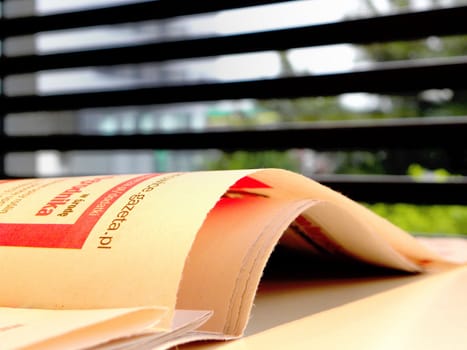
pixel 254 160
pixel 425 219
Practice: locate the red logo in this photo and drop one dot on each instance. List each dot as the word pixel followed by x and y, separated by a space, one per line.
pixel 70 236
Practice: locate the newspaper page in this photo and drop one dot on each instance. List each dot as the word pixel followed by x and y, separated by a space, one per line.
pixel 101 241
pixel 71 329
pixel 271 207
pixel 196 241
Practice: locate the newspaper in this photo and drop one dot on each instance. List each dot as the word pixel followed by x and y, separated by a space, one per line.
pixel 157 260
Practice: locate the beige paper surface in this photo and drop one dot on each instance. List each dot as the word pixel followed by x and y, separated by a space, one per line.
pixel 427 313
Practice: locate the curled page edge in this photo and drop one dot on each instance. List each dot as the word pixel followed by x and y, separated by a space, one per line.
pixel 371 247
pixel 72 329
pixel 184 324
pixel 297 184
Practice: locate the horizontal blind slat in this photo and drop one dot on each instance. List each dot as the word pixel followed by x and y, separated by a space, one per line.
pixel 147 10
pixel 402 77
pixel 360 31
pixel 407 191
pixel 421 133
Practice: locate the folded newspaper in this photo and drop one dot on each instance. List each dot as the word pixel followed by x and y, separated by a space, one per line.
pixel 151 261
